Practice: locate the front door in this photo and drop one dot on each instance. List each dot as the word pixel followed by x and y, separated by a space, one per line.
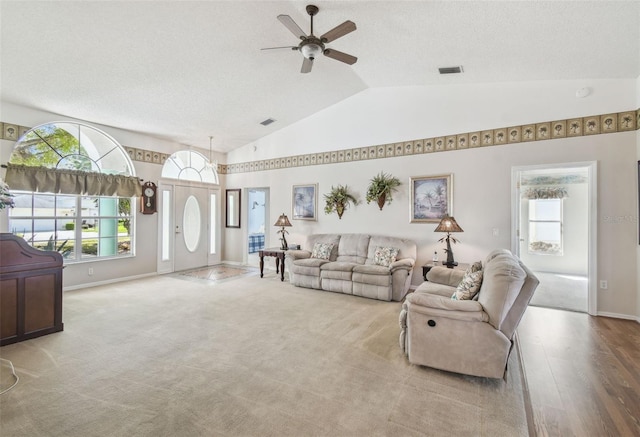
pixel 191 227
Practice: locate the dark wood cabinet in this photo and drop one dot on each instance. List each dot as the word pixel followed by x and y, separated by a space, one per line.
pixel 30 291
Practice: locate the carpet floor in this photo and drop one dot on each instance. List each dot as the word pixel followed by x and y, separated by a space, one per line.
pixel 167 356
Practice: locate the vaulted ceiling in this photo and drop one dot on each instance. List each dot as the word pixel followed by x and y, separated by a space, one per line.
pixel 185 70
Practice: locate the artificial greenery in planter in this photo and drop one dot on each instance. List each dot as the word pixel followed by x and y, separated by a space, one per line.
pixel 338 200
pixel 381 188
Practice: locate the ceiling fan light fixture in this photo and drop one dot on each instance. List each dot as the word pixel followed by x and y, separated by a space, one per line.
pixel 312 46
pixel 311 50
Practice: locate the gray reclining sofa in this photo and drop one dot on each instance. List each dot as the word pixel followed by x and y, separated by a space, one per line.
pixel 354 264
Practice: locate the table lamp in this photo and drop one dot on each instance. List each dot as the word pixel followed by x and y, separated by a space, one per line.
pixel 448 225
pixel 283 221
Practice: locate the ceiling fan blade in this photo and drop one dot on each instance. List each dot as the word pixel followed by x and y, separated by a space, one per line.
pixel 283 47
pixel 340 56
pixel 339 31
pixel 292 26
pixel 306 65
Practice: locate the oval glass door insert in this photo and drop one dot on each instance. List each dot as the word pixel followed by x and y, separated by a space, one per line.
pixel 191 224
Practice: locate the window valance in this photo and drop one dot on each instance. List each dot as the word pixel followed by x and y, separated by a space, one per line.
pixel 49 180
pixel 545 193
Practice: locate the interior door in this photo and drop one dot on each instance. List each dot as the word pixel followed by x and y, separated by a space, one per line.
pixel 191 242
pixel 553 218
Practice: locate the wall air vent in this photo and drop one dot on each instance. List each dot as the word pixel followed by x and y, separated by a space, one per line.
pixel 267 122
pixel 450 70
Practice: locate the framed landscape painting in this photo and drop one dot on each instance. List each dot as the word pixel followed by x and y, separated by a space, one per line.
pixel 431 198
pixel 305 202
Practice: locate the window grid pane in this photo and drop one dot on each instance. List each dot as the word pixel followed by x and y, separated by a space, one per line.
pixel 53 222
pixel 545 227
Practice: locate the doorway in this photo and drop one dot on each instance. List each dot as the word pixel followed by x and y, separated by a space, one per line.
pixel 554 228
pixel 257 207
pixel 189 225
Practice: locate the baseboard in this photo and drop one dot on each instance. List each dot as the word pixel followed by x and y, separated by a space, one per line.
pixel 526 394
pixel 618 316
pixel 232 263
pixel 107 282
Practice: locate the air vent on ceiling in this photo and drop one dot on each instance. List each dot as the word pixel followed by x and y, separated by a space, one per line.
pixel 267 122
pixel 450 70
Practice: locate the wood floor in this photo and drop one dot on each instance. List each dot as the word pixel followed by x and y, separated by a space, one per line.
pixel 583 373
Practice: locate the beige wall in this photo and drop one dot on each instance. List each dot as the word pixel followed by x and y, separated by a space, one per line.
pixel 145 261
pixel 482 191
pixel 482 184
pixel 482 202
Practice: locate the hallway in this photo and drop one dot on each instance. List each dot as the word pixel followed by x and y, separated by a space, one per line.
pixel 567 292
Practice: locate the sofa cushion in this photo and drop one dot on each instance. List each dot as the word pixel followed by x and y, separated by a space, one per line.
pixel 469 286
pixel 365 278
pixel 343 275
pixel 384 256
pixel 503 279
pixel 445 276
pixel 496 252
pixel 323 238
pixel 371 270
pixel 322 250
pixel 435 288
pixel 353 248
pixel 338 266
pixel 476 266
pixel 406 248
pixel 308 266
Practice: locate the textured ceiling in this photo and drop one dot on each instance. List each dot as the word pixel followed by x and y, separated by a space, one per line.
pixel 184 70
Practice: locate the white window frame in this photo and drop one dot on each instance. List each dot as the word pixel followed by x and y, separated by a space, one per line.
pixel 531 233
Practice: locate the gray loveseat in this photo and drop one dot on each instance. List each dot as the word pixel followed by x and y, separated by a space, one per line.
pixel 473 337
pixel 354 265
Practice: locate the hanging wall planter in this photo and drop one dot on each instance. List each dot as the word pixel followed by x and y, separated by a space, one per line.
pixel 381 189
pixel 338 200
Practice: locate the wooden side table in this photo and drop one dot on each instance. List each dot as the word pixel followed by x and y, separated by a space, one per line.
pixel 428 266
pixel 278 254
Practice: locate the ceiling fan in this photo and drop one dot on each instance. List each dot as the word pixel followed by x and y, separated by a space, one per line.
pixel 311 45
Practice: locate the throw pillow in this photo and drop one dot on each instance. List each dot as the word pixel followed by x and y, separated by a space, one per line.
pixel 384 256
pixel 476 266
pixel 322 250
pixel 469 286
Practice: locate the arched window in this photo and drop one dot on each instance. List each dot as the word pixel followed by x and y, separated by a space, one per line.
pixel 188 165
pixel 71 146
pixel 74 190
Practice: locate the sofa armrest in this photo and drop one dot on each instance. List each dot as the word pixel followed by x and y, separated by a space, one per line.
pixel 463 314
pixel 439 306
pixel 444 303
pixel 402 264
pixel 297 254
pixel 445 276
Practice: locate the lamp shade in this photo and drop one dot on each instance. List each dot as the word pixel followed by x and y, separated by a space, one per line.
pixel 283 220
pixel 448 224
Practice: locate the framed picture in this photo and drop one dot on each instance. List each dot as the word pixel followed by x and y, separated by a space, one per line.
pixel 233 208
pixel 431 198
pixel 305 202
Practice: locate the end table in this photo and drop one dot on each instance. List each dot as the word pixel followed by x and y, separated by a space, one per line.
pixel 278 254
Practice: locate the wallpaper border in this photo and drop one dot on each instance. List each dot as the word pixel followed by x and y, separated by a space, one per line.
pixel 548 130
